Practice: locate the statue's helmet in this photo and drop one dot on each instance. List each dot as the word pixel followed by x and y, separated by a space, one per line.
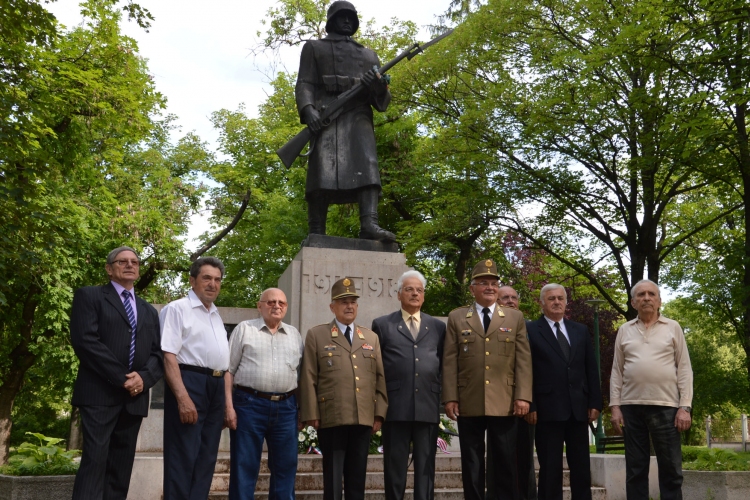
pixel 339 6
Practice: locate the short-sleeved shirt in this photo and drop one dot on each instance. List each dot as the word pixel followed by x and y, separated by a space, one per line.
pixel 265 361
pixel 195 334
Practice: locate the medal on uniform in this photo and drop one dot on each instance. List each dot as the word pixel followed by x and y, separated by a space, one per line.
pixel 470 312
pixel 360 334
pixel 334 332
pixel 466 348
pixel 329 362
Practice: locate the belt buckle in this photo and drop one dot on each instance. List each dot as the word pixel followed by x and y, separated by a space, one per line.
pixel 217 373
pixel 276 398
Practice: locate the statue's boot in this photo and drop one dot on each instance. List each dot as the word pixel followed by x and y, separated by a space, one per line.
pixel 317 213
pixel 368 218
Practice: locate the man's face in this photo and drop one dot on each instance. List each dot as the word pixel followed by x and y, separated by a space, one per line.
pixel 272 306
pixel 345 310
pixel 207 284
pixel 411 294
pixel 554 302
pixel 485 290
pixel 125 269
pixel 646 299
pixel 507 297
pixel 343 23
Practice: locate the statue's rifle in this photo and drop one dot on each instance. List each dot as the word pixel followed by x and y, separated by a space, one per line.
pixel 292 149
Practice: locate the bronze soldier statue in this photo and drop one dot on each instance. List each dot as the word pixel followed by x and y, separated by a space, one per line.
pixel 343 163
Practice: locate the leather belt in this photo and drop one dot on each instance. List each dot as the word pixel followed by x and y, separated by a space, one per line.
pixel 203 370
pixel 272 396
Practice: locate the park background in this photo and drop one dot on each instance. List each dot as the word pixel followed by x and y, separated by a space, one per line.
pixel 588 143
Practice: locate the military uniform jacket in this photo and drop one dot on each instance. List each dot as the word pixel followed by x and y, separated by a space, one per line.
pixel 344 155
pixel 486 372
pixel 342 384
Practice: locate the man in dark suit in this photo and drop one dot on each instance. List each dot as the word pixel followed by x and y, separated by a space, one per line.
pixel 412 347
pixel 567 396
pixel 116 338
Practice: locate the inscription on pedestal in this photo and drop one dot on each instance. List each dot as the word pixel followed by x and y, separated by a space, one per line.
pixel 376 286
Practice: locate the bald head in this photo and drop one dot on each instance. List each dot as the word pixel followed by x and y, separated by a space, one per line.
pixel 272 306
pixel 508 297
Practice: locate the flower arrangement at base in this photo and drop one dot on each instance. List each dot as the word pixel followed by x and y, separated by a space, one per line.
pixel 376 443
pixel 446 431
pixel 308 441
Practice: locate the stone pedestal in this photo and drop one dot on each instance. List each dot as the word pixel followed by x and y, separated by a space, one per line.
pixel 308 279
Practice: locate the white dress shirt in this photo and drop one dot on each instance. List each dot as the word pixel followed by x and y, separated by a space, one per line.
pixel 562 328
pixel 194 334
pixel 481 314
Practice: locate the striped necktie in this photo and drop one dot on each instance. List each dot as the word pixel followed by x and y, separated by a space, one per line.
pixel 131 319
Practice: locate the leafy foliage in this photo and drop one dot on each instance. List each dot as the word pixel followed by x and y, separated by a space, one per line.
pixel 43 459
pixel 714 459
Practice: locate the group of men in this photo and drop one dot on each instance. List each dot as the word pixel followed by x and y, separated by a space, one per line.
pixel 504 380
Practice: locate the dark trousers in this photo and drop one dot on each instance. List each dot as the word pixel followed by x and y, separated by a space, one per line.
pixel 344 449
pixel 275 422
pixel 190 449
pixel 396 439
pixel 502 478
pixel 642 421
pixel 525 459
pixel 109 437
pixel 550 437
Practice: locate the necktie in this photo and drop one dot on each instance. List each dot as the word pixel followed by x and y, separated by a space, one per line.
pixel 413 327
pixel 131 319
pixel 562 341
pixel 348 334
pixel 486 319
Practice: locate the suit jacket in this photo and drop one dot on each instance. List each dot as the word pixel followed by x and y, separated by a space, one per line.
pixel 100 334
pixel 486 372
pixel 342 384
pixel 412 368
pixel 561 387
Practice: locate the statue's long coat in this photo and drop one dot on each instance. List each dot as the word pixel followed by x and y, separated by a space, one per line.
pixel 344 157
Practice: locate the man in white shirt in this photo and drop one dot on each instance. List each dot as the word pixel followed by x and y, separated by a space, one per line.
pixel 261 403
pixel 196 355
pixel 651 392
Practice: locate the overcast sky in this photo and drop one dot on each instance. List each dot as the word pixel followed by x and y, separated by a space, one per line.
pixel 199 51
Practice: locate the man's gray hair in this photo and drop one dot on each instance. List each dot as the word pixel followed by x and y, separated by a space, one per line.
pixel 634 290
pixel 111 256
pixel 509 286
pixel 195 268
pixel 411 274
pixel 547 287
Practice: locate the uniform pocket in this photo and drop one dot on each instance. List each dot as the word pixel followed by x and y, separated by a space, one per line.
pixel 330 361
pixel 369 359
pixel 466 346
pixel 507 344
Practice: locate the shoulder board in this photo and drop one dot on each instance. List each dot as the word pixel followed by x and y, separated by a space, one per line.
pixel 461 307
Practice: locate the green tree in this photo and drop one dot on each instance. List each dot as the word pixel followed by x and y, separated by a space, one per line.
pixel 84 168
pixel 574 109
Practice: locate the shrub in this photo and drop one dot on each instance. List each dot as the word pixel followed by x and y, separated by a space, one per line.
pixel 43 459
pixel 714 459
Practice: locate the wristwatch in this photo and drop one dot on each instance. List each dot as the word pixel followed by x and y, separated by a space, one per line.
pixel 687 409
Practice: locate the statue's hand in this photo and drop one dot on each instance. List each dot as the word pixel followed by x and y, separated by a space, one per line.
pixel 312 118
pixel 370 78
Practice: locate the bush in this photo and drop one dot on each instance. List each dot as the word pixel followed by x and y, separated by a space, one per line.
pixel 714 459
pixel 44 459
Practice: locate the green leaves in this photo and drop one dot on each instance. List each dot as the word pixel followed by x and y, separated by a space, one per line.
pixel 41 459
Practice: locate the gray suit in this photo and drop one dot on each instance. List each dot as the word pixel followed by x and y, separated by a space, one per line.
pixel 413 371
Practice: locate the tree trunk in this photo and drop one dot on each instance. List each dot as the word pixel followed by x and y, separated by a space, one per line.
pixel 21 359
pixel 75 439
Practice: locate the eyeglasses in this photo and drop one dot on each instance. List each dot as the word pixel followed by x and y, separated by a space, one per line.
pixel 272 303
pixel 125 262
pixel 488 284
pixel 411 289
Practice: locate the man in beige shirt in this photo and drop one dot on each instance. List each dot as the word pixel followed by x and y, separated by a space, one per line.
pixel 264 359
pixel 651 392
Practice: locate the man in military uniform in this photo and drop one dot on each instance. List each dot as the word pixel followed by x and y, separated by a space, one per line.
pixel 343 164
pixel 343 393
pixel 487 383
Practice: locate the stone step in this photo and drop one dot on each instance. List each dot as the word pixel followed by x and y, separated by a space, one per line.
pixel 440 494
pixel 314 481
pixel 314 463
